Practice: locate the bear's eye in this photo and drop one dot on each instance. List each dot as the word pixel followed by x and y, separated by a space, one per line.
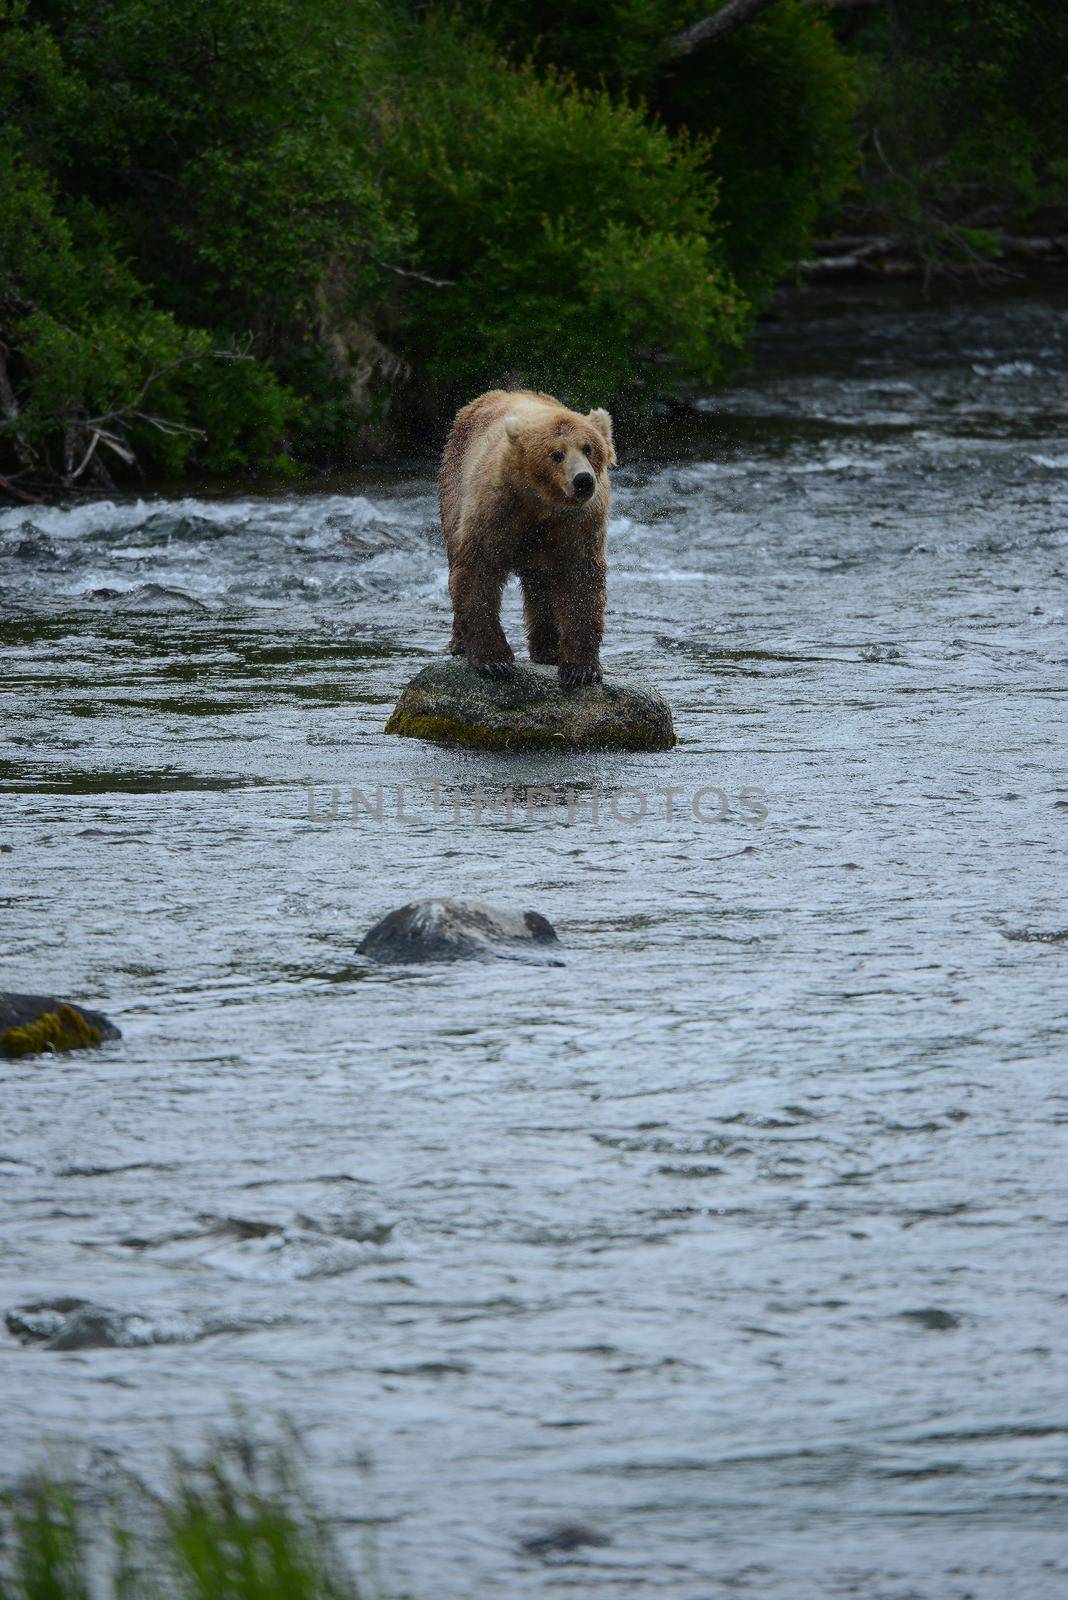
pixel 587 451
pixel 558 455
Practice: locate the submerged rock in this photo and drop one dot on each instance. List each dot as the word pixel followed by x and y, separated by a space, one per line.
pixel 31 1024
pixel 168 525
pixel 67 1323
pixel 562 1538
pixel 147 597
pixel 451 703
pixel 70 1324
pixel 461 930
pixel 933 1318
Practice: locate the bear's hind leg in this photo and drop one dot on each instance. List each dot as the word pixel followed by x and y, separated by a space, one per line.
pixel 543 636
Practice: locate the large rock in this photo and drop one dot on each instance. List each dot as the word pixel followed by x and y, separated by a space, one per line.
pixel 452 704
pixel 31 1024
pixel 461 930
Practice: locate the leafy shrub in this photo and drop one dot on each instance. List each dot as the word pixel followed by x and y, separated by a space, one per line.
pixel 191 174
pixel 782 95
pixel 572 238
pixel 774 100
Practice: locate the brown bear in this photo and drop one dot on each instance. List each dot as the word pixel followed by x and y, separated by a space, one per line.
pixel 524 489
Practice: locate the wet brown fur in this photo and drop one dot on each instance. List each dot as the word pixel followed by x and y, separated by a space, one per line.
pixel 508 507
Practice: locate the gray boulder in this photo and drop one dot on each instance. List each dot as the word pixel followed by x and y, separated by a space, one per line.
pixel 32 1024
pixel 451 703
pixel 461 930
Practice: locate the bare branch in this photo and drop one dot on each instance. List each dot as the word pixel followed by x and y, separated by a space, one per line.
pixel 168 426
pixel 727 20
pixel 19 494
pixel 88 456
pixel 406 272
pixel 732 16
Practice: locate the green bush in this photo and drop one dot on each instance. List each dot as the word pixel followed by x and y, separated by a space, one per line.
pixel 188 175
pixel 97 371
pixel 775 101
pixel 227 140
pixel 573 239
pixel 80 345
pixel 782 95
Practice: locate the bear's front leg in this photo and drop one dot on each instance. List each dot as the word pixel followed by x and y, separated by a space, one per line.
pixel 578 594
pixel 475 586
pixel 543 636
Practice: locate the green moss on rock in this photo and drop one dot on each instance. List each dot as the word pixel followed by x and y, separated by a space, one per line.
pixel 451 731
pixel 60 1030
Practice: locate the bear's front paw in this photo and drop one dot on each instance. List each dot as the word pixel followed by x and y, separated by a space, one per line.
pixel 493 666
pixel 573 676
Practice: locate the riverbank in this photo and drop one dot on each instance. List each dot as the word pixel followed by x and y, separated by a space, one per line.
pixel 853 283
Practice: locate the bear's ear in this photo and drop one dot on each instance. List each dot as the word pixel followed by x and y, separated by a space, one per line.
pixel 513 427
pixel 603 423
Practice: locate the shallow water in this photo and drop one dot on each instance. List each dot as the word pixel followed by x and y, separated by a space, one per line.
pixel 740 1238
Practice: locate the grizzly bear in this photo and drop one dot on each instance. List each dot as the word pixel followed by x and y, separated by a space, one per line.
pixel 524 489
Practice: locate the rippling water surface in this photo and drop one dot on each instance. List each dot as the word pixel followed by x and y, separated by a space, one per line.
pixel 740 1239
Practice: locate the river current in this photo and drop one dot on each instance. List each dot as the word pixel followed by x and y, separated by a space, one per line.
pixel 739 1239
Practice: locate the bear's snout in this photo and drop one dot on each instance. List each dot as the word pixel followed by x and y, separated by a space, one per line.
pixel 585 483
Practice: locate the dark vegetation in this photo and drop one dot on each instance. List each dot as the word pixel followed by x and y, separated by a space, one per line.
pixel 274 235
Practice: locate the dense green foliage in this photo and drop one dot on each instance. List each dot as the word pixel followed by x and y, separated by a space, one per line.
pixel 965 124
pixel 574 234
pixel 236 1526
pixel 775 101
pixel 782 102
pixel 199 195
pixel 268 234
pixel 240 208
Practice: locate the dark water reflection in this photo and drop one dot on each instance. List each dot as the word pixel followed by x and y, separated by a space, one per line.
pixel 740 1238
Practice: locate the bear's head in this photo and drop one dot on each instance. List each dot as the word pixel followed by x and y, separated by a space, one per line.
pixel 563 456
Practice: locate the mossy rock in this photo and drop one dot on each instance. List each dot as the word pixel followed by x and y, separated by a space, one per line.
pixel 35 1024
pixel 449 703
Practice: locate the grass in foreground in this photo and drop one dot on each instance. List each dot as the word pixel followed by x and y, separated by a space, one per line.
pixel 236 1525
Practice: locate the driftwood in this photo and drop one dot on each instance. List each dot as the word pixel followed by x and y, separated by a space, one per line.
pixel 877 256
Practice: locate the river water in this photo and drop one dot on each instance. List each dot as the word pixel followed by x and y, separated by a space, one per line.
pixel 740 1238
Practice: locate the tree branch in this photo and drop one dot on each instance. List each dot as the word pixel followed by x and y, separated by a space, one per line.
pixel 732 16
pixel 19 494
pixel 727 20
pixel 406 272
